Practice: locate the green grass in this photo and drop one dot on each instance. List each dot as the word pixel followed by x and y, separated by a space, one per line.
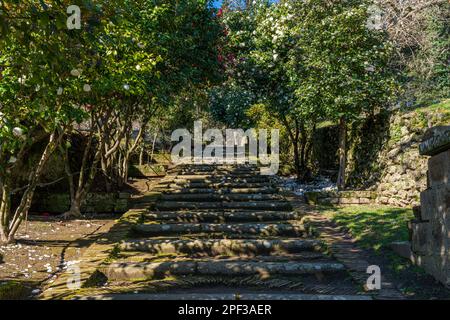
pixel 373 227
pixel 443 106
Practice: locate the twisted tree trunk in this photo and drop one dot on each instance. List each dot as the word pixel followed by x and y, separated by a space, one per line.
pixel 342 153
pixel 10 224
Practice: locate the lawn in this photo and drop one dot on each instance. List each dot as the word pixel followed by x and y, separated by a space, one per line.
pixel 374 227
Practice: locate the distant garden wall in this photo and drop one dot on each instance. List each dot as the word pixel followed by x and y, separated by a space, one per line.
pixel 95 203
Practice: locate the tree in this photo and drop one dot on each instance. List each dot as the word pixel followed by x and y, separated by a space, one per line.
pixel 262 56
pixel 151 52
pixel 38 93
pixel 346 63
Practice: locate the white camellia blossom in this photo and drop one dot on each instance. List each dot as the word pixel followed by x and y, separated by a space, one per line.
pixel 75 72
pixel 22 79
pixel 138 67
pixel 17 132
pixel 87 87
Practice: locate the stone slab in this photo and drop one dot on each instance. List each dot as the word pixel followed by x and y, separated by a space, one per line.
pixel 228 296
pixel 220 246
pixel 435 141
pixel 439 169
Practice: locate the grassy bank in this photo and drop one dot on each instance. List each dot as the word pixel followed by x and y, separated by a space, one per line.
pixel 375 228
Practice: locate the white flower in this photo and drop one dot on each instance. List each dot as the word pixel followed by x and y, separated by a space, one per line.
pixel 126 87
pixel 87 87
pixel 12 160
pixel 17 132
pixel 59 91
pixel 138 67
pixel 22 79
pixel 75 72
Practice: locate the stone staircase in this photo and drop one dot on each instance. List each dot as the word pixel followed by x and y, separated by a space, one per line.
pixel 219 231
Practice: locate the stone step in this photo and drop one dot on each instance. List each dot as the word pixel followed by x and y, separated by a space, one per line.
pixel 223 216
pixel 218 179
pixel 228 296
pixel 220 197
pixel 262 190
pixel 214 247
pixel 206 167
pixel 262 229
pixel 217 185
pixel 136 256
pixel 130 270
pixel 219 174
pixel 259 205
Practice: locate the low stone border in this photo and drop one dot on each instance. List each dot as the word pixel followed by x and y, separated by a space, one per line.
pixel 113 202
pixel 99 252
pixel 341 197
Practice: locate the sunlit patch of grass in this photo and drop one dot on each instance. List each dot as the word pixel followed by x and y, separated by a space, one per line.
pixel 373 227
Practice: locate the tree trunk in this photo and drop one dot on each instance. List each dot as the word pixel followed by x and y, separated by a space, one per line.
pixel 153 145
pixel 141 155
pixel 297 160
pixel 25 203
pixel 342 153
pixel 75 207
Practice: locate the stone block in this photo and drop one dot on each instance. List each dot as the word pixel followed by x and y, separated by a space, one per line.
pixel 435 141
pixel 436 265
pixel 402 248
pixel 421 232
pixel 364 201
pixel 349 201
pixel 439 169
pixel 383 200
pixel 329 201
pixel 435 204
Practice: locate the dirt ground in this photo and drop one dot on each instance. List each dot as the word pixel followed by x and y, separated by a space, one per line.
pixel 46 245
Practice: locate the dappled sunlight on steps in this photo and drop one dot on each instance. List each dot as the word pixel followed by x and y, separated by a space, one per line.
pixel 222 226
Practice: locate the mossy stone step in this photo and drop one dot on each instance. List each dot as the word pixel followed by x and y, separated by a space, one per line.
pixel 262 229
pixel 262 190
pixel 253 179
pixel 223 216
pixel 259 205
pixel 229 296
pixel 305 256
pixel 214 247
pixel 220 197
pixel 216 185
pixel 130 270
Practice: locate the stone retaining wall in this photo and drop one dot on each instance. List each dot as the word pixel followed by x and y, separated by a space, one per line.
pixel 95 202
pixel 137 171
pixel 431 226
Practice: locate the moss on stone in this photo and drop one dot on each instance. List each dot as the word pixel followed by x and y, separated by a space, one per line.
pixel 97 279
pixel 14 290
